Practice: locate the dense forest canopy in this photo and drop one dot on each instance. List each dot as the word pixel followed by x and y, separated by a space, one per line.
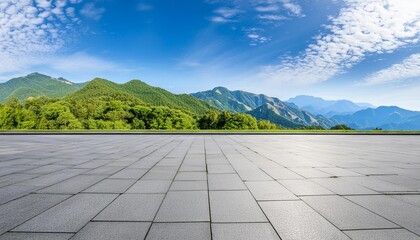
pixel 105 112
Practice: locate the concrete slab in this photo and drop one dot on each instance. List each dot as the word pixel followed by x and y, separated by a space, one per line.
pixel 244 231
pixel 111 186
pixel 225 182
pixel 19 211
pixel 382 234
pixel 234 206
pixel 156 186
pixel 68 216
pixel 150 186
pixel 36 236
pixel 184 231
pixel 132 207
pixel 296 220
pixel 347 215
pixel 113 230
pixel 269 190
pixel 184 206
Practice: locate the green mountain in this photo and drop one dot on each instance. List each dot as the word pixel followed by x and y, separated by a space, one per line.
pixel 262 107
pixel 140 92
pixel 36 85
pixel 234 101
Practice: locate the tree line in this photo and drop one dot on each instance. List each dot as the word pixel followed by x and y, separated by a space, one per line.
pixel 107 113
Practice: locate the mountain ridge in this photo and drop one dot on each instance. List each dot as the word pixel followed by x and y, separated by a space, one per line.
pixel 385 117
pixel 260 106
pixel 328 108
pixel 37 85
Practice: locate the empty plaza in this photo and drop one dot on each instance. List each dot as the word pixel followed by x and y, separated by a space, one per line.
pixel 209 187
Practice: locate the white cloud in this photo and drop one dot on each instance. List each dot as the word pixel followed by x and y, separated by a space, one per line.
pixel 291 7
pixel 409 68
pixel 255 35
pixel 261 13
pixel 219 19
pixel 31 30
pixel 224 15
pixel 361 28
pixel 272 17
pixel 90 10
pixel 267 8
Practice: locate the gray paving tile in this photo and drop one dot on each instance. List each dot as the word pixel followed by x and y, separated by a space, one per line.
pixel 192 168
pixel 160 173
pixel 411 199
pixel 73 185
pixel 311 172
pixel 188 185
pixel 343 187
pixel 150 186
pixel 15 178
pixel 68 216
pixel 11 192
pixel 234 206
pixel 340 172
pixel 36 236
pixel 399 212
pixel 220 168
pixel 20 210
pixel 132 207
pixel 244 231
pixel 93 164
pixel 225 182
pixel 280 173
pixel 184 231
pixel 53 178
pixel 111 186
pixel 269 190
pixel 130 173
pixel 296 220
pixel 191 176
pixel 184 206
pixel 378 185
pixel 346 215
pixel 45 169
pixel 382 234
pixel 105 170
pixel 113 230
pixel 304 187
pixel 252 160
pixel 404 181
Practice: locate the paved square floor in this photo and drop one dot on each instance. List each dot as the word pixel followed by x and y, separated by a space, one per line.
pixel 209 187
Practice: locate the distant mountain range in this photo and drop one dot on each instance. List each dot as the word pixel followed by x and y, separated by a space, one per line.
pixel 294 113
pixel 261 107
pixel 36 85
pixel 387 118
pixel 327 108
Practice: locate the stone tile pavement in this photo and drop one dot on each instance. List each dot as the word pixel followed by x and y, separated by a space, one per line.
pixel 209 187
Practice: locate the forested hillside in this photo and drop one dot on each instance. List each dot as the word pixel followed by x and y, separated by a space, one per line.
pixel 37 85
pixel 102 104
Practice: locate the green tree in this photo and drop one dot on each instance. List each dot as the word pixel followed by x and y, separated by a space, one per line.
pixel 241 121
pixel 341 127
pixel 266 125
pixel 209 120
pixel 58 116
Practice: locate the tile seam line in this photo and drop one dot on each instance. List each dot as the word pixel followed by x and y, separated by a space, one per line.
pixel 173 179
pixel 118 194
pixel 247 189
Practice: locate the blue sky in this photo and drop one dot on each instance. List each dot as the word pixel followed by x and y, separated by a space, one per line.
pixel 365 51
